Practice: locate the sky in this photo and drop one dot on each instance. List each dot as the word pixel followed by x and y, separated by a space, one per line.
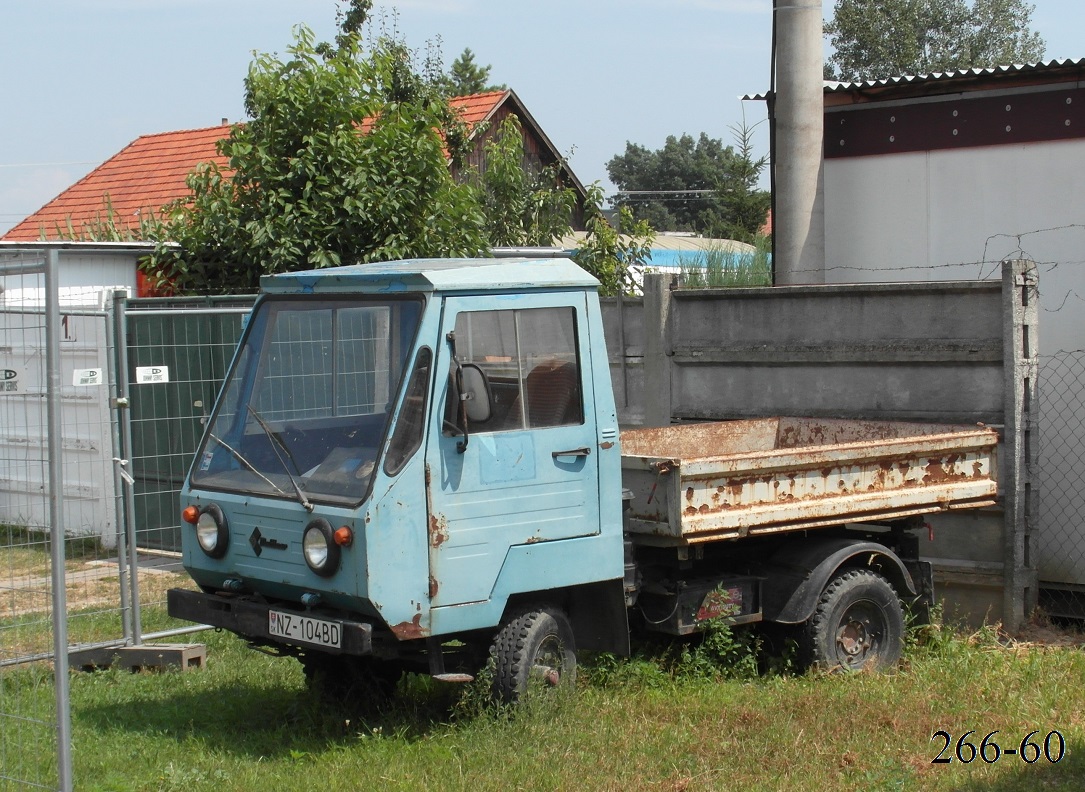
pixel 81 79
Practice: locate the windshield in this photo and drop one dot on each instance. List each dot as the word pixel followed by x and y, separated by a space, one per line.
pixel 305 409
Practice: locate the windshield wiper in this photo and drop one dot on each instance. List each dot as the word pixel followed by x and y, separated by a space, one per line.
pixel 240 458
pixel 277 441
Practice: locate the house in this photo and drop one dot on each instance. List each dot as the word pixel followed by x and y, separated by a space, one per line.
pixel 150 172
pixel 943 176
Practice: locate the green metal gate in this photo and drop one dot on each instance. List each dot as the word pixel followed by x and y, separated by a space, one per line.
pixel 178 350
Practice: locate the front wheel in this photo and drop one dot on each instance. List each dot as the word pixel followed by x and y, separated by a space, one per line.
pixel 533 650
pixel 858 623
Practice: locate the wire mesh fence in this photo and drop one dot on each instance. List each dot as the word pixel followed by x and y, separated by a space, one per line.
pixel 175 358
pixel 117 472
pixel 1062 484
pixel 34 719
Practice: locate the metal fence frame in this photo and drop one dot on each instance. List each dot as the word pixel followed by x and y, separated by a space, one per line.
pixel 48 268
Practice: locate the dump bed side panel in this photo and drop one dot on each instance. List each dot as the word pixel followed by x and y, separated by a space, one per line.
pixel 704 482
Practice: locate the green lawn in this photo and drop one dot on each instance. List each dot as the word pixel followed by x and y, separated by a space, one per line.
pixel 246 722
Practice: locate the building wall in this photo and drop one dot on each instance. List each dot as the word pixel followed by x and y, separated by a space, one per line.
pixel 954 213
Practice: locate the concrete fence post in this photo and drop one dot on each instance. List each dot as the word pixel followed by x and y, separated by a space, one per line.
pixel 1020 349
pixel 657 350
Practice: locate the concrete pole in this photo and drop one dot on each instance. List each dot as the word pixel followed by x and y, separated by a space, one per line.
pixel 799 221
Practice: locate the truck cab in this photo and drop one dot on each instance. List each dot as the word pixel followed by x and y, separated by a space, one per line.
pixel 404 458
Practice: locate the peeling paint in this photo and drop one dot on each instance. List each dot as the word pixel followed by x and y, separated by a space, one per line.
pixel 438 530
pixel 410 631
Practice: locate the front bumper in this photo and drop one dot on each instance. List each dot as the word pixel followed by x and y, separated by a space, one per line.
pixel 250 619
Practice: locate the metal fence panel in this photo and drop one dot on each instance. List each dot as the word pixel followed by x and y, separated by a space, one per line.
pixel 35 744
pixel 177 353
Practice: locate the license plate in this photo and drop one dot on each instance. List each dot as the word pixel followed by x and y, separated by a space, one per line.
pixel 296 627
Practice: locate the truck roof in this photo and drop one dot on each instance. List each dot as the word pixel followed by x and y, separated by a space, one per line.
pixel 439 275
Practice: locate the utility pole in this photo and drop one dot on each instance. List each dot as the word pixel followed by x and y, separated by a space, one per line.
pixel 799 219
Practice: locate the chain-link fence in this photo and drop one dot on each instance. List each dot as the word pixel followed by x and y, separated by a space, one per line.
pixel 1062 484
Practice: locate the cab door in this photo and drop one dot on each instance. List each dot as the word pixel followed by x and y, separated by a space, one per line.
pixel 529 472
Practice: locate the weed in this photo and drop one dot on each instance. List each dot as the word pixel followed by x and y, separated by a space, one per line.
pixel 718 267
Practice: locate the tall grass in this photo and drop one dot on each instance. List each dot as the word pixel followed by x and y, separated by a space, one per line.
pixel 719 267
pixel 247 722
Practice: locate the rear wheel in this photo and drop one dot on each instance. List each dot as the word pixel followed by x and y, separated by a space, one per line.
pixel 858 623
pixel 533 650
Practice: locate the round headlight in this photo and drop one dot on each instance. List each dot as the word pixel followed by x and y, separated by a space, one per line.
pixel 211 531
pixel 318 546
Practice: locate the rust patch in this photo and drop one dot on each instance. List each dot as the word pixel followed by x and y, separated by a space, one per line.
pixel 410 631
pixel 939 472
pixel 434 586
pixel 607 445
pixel 690 511
pixel 438 530
pixel 689 493
pixel 704 509
pixel 533 540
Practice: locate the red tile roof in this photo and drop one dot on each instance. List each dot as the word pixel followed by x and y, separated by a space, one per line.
pixel 144 176
pixel 150 172
pixel 479 107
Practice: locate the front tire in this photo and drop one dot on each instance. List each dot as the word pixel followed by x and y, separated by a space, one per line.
pixel 858 623
pixel 533 650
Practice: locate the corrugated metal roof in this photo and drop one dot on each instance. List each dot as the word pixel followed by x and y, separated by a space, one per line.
pixel 1045 68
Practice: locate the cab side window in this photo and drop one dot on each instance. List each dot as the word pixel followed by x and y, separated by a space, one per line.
pixel 530 359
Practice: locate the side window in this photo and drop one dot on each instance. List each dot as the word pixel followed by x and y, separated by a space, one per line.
pixel 407 436
pixel 530 359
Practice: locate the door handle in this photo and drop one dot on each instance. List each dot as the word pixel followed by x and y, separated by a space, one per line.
pixel 583 451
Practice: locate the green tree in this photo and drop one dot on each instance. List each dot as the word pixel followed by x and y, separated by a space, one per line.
pixel 875 39
pixel 522 205
pixel 701 186
pixel 465 77
pixel 612 253
pixel 344 159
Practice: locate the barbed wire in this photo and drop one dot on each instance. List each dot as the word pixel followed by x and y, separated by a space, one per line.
pixel 987 267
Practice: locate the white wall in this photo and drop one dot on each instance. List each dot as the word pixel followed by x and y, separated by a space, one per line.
pixel 955 214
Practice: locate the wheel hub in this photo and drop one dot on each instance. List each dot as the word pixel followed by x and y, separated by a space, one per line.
pixel 853 638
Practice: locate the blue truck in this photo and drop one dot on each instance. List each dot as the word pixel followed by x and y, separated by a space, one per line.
pixel 417 466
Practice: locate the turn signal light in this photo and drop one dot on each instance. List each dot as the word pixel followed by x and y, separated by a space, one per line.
pixel 343 536
pixel 191 514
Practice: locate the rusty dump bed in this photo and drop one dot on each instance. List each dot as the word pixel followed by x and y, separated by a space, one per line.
pixel 726 480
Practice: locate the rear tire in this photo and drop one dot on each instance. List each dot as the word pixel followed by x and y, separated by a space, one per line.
pixel 858 623
pixel 533 650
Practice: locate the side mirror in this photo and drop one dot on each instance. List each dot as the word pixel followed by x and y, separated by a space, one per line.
pixel 475 393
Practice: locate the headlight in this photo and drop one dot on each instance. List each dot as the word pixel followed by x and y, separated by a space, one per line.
pixel 319 548
pixel 212 532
